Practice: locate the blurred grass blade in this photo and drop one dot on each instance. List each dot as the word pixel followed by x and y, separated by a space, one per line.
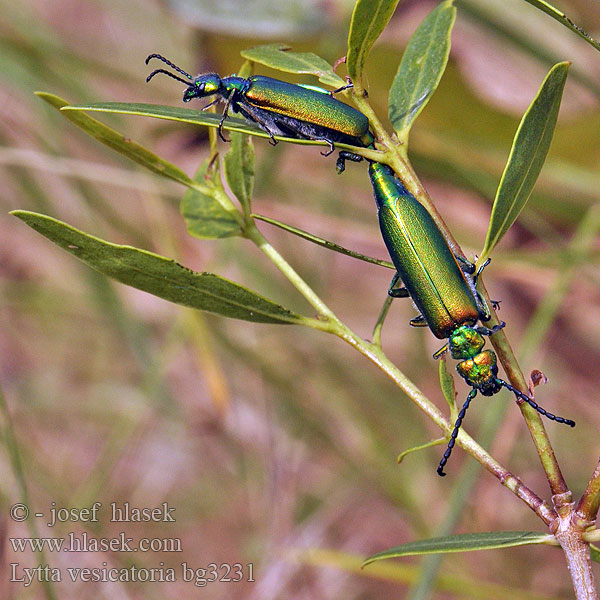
pixel 13 449
pixel 324 243
pixel 527 156
pixel 280 57
pixel 421 68
pixel 117 141
pixel 468 542
pixel 369 19
pixel 560 16
pixel 239 169
pixel 205 217
pixel 494 18
pixel 595 553
pixel 160 276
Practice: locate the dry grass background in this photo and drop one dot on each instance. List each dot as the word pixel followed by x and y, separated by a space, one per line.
pixel 272 440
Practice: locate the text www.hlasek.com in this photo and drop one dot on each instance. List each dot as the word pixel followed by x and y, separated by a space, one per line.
pixel 85 543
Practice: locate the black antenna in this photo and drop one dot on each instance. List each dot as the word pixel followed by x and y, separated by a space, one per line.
pixel 533 404
pixel 166 73
pixel 463 410
pixel 452 440
pixel 167 62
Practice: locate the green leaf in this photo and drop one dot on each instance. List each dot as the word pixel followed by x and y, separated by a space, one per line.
pixel 239 169
pixel 324 243
pixel 160 276
pixel 278 56
pixel 117 141
pixel 564 20
pixel 595 553
pixel 464 543
pixel 421 68
pixel 527 156
pixel 447 384
pixel 170 113
pixel 369 19
pixel 204 215
pixel 189 115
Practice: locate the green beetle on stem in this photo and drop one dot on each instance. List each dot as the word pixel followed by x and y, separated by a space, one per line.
pixel 442 286
pixel 280 108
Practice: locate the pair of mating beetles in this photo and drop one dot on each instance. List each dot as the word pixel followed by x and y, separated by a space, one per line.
pixel 441 285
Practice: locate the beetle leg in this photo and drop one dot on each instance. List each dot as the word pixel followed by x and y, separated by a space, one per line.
pixel 223 117
pixel 341 89
pixel 492 331
pixel 481 268
pixel 211 104
pixel 418 321
pixel 465 265
pixel 395 292
pixel 340 164
pixel 331 146
pixel 263 120
pixel 439 353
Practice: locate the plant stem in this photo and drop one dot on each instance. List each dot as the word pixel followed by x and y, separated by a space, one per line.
pixel 398 160
pixel 328 321
pixel 588 506
pixel 577 553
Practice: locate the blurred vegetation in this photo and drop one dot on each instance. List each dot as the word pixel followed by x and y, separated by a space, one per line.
pixel 270 440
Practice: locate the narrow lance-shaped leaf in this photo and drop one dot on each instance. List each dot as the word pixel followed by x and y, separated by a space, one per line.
pixel 421 68
pixel 465 543
pixel 527 156
pixel 239 169
pixel 369 19
pixel 188 115
pixel 280 57
pixel 117 141
pixel 161 276
pixel 205 217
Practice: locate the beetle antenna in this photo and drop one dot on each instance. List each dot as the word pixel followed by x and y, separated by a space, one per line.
pixel 166 73
pixel 535 405
pixel 168 62
pixel 452 440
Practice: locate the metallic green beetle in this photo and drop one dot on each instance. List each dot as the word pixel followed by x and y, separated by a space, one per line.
pixel 280 108
pixel 443 289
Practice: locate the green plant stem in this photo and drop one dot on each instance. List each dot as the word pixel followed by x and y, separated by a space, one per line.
pixel 380 319
pixel 397 158
pixel 329 322
pixel 589 503
pixel 532 417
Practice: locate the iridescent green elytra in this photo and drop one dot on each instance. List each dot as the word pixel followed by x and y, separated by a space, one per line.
pixel 281 108
pixel 442 288
pixel 443 293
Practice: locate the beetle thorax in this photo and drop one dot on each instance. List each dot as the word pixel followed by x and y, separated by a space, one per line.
pixel 465 342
